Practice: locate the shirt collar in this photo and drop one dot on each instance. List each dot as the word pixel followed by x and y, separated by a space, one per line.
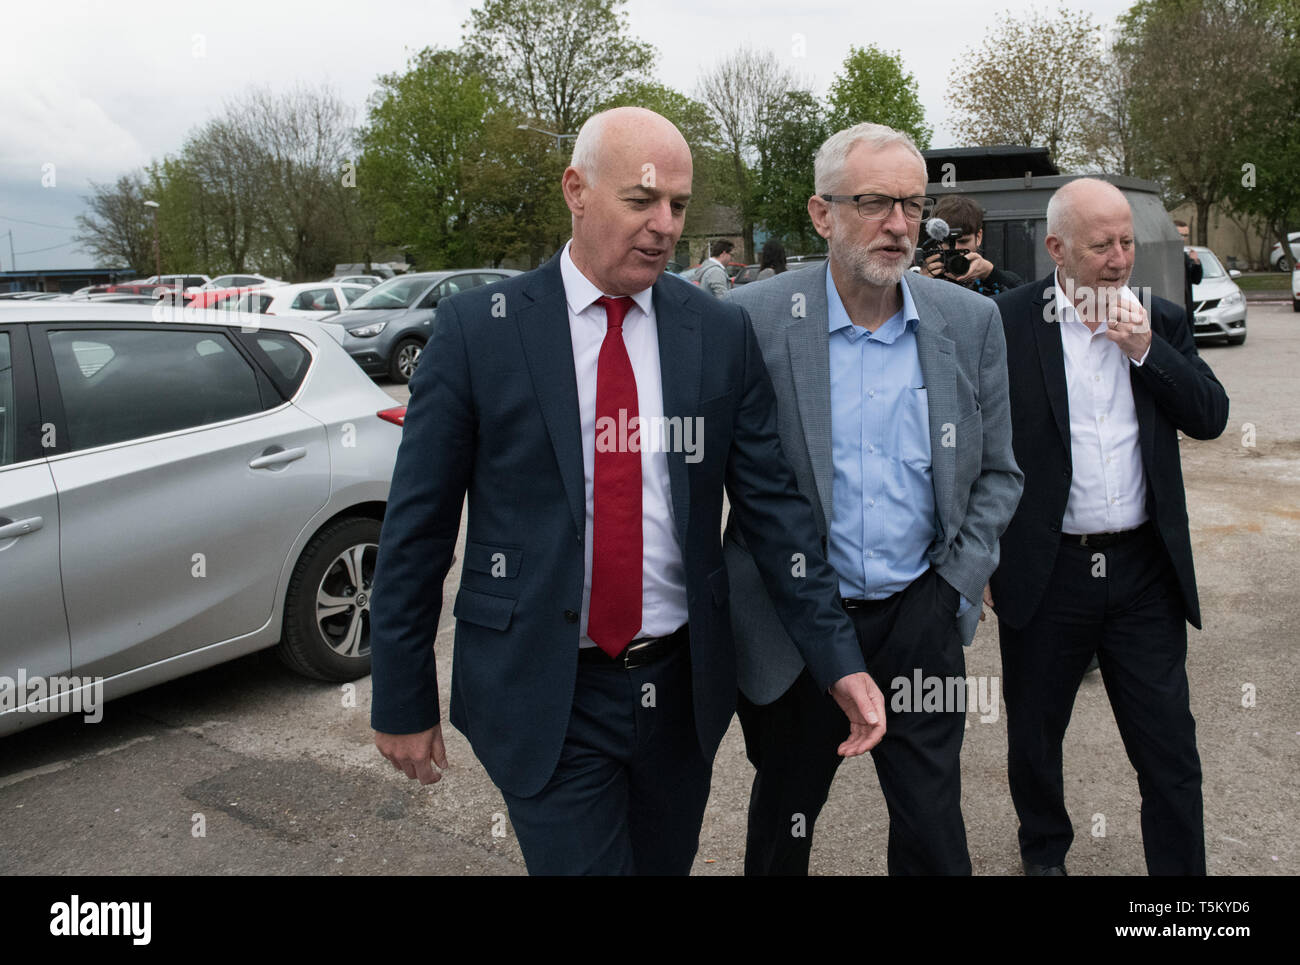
pixel 581 294
pixel 838 317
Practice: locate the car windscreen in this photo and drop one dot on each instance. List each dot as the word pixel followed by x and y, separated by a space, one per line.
pixel 394 293
pixel 1210 267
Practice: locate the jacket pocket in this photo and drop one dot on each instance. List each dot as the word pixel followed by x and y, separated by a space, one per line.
pixel 495 561
pixel 483 609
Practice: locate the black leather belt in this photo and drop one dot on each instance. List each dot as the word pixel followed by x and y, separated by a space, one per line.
pixel 638 653
pixel 1102 540
pixel 853 603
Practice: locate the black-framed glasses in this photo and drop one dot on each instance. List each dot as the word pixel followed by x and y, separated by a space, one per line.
pixel 877 207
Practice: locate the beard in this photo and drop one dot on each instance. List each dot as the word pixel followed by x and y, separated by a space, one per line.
pixel 869 267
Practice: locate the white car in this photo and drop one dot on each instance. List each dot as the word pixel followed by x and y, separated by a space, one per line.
pixel 311 299
pixel 179 488
pixel 243 280
pixel 369 281
pixel 1219 305
pixel 1280 261
pixel 1295 288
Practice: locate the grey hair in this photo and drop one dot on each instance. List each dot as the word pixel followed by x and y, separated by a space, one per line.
pixel 1061 215
pixel 586 146
pixel 834 152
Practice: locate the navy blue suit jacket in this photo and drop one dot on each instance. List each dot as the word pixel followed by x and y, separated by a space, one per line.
pixel 1173 390
pixel 494 413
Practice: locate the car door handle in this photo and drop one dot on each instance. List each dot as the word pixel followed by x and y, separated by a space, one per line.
pixel 11 529
pixel 276 456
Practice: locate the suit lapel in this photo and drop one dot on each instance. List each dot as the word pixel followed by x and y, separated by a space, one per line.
pixel 1051 355
pixel 548 348
pixel 808 343
pixel 935 352
pixel 681 349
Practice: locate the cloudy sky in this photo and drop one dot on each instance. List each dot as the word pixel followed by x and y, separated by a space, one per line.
pixel 97 88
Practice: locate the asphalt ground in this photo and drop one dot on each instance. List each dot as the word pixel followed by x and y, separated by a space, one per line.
pixel 249 769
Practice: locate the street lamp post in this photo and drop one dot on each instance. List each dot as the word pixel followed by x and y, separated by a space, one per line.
pixel 157 249
pixel 559 138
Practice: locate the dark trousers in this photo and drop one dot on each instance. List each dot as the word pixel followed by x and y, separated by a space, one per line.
pixel 1131 615
pixel 791 742
pixel 628 794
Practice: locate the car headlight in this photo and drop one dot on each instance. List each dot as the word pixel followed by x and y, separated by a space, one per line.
pixel 1233 300
pixel 368 331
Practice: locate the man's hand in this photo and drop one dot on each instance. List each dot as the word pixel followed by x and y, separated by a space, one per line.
pixel 979 267
pixel 864 706
pixel 411 753
pixel 1128 327
pixel 988 602
pixel 1191 253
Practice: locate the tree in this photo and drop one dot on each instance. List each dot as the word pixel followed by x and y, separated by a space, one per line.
pixel 1229 101
pixel 1108 131
pixel 739 93
pixel 794 128
pixel 554 62
pixel 874 86
pixel 425 125
pixel 1033 82
pixel 118 227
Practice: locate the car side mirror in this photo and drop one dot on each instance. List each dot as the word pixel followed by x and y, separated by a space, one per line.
pixel 1233 273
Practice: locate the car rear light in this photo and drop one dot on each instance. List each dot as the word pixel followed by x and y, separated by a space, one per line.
pixel 397 416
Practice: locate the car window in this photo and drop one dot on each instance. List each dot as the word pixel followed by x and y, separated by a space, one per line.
pixel 486 278
pixel 242 281
pixel 223 282
pixel 128 384
pixel 287 358
pixel 1210 266
pixel 316 300
pixel 394 293
pixel 353 292
pixel 8 425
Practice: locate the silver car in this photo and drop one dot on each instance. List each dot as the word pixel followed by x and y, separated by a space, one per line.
pixel 177 489
pixel 1219 305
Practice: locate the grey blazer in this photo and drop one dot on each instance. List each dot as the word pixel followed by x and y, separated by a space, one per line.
pixel 977 483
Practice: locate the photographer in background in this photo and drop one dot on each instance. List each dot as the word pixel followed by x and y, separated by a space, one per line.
pixel 965 220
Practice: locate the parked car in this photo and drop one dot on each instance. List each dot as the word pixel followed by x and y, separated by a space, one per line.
pixel 211 297
pixel 311 299
pixel 385 329
pixel 1279 260
pixel 186 282
pixel 795 262
pixel 745 276
pixel 691 274
pixel 1219 305
pixel 174 495
pixel 1295 287
pixel 365 281
pixel 244 280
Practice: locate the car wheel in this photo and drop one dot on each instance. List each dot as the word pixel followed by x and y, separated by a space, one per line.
pixel 1295 304
pixel 405 357
pixel 1237 339
pixel 327 610
pixel 1283 264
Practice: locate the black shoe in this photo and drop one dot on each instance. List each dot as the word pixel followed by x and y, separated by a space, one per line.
pixel 1045 870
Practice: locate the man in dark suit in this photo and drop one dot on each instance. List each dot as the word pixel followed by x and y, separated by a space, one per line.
pixel 892 398
pixel 1097 558
pixel 594 410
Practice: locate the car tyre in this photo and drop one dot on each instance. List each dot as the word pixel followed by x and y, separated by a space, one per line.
pixel 327 610
pixel 405 357
pixel 1283 264
pixel 1295 304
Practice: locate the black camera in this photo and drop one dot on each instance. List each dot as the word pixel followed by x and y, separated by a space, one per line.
pixel 942 239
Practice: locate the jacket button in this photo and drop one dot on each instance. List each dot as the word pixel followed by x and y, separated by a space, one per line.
pixel 571 616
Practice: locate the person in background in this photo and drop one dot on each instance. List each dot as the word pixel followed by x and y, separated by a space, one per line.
pixel 771 261
pixel 713 273
pixel 1192 270
pixel 982 277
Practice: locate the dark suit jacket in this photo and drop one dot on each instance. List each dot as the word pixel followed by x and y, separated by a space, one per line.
pixel 1173 390
pixel 494 412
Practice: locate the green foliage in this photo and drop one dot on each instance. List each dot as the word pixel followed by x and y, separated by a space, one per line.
pixel 795 127
pixel 874 86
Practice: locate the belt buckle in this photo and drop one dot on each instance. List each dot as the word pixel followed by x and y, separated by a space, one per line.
pixel 632 648
pixel 1083 539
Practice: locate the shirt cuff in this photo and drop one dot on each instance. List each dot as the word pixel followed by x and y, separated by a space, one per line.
pixel 1142 360
pixel 963 605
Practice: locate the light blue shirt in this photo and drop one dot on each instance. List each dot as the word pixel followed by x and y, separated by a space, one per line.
pixel 883 513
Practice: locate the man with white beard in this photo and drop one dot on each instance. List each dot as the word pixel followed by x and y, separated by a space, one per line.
pixel 892 408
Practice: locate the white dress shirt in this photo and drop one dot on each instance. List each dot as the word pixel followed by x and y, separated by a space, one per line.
pixel 1108 486
pixel 663 574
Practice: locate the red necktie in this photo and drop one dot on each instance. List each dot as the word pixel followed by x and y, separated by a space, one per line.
pixel 614 615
